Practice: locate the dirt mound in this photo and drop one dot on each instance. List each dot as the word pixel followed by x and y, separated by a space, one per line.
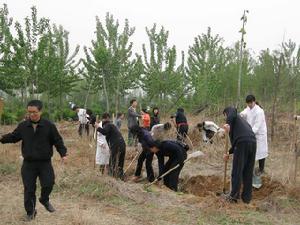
pixel 269 187
pixel 203 185
pixel 208 185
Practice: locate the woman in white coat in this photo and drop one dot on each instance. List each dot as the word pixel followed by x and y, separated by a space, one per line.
pixel 102 153
pixel 255 116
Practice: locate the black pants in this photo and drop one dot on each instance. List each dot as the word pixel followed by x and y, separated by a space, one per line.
pixel 116 160
pixel 132 139
pixel 171 180
pixel 148 156
pixel 30 171
pixel 182 132
pixel 261 164
pixel 85 127
pixel 242 170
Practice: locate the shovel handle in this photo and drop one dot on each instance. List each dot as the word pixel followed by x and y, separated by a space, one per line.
pixel 225 164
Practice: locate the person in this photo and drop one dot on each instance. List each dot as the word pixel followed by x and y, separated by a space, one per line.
pixel 116 144
pixel 102 152
pixel 38 136
pixel 133 120
pixel 160 131
pixel 91 118
pixel 209 129
pixel 118 120
pixel 243 148
pixel 83 120
pixel 146 140
pixel 155 117
pixel 255 116
pixel 181 124
pixel 177 155
pixel 145 119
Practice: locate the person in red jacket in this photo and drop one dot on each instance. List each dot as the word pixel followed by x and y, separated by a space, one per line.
pixel 145 119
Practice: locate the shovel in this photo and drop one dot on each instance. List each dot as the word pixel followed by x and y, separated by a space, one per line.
pixel 225 167
pixel 190 156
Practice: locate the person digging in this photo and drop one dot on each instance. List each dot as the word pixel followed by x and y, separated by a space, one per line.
pixel 243 148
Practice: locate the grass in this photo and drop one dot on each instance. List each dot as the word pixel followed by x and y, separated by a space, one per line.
pixel 82 196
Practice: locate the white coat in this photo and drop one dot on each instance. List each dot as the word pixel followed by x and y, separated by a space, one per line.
pixel 102 152
pixel 256 118
pixel 82 116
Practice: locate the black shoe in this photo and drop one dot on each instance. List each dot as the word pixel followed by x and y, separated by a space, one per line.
pixel 228 198
pixel 48 206
pixel 32 216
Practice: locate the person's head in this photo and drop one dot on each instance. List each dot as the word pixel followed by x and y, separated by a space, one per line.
pixel 34 110
pixel 105 117
pixel 120 115
pixel 167 126
pixel 75 108
pixel 133 103
pixel 89 112
pixel 228 110
pixel 155 111
pixel 250 100
pixel 180 110
pixel 144 111
pixel 155 146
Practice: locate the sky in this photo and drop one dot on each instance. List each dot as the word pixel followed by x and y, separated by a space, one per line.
pixel 269 21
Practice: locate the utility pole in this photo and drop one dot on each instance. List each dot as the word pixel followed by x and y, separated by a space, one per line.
pixel 242 46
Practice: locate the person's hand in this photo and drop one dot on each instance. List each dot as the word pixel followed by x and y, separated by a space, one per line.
pixel 97 125
pixel 226 127
pixel 64 159
pixel 226 157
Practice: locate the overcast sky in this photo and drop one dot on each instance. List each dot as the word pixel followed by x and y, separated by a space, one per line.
pixel 269 21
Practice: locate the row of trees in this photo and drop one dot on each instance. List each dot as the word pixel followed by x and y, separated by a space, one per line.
pixel 36 61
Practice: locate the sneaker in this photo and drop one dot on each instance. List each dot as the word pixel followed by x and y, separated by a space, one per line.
pixel 48 206
pixel 32 216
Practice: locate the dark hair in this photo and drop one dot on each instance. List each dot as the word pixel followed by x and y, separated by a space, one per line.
pixel 75 107
pixel 36 103
pixel 105 115
pixel 201 125
pixel 132 101
pixel 167 126
pixel 155 108
pixel 180 110
pixel 144 110
pixel 250 98
pixel 119 114
pixel 89 112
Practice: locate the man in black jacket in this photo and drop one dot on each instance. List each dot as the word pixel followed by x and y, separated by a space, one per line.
pixel 38 137
pixel 116 144
pixel 243 148
pixel 181 124
pixel 177 155
pixel 146 140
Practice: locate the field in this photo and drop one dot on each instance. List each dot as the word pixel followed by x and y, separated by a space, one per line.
pixel 82 196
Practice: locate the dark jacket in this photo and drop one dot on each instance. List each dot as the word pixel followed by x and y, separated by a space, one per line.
pixel 145 138
pixel 240 130
pixel 37 145
pixel 180 118
pixel 172 150
pixel 132 117
pixel 154 120
pixel 112 134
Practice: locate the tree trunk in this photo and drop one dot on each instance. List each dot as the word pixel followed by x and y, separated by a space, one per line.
pixel 274 105
pixel 106 95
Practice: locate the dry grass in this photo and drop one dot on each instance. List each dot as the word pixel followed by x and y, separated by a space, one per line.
pixel 82 196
